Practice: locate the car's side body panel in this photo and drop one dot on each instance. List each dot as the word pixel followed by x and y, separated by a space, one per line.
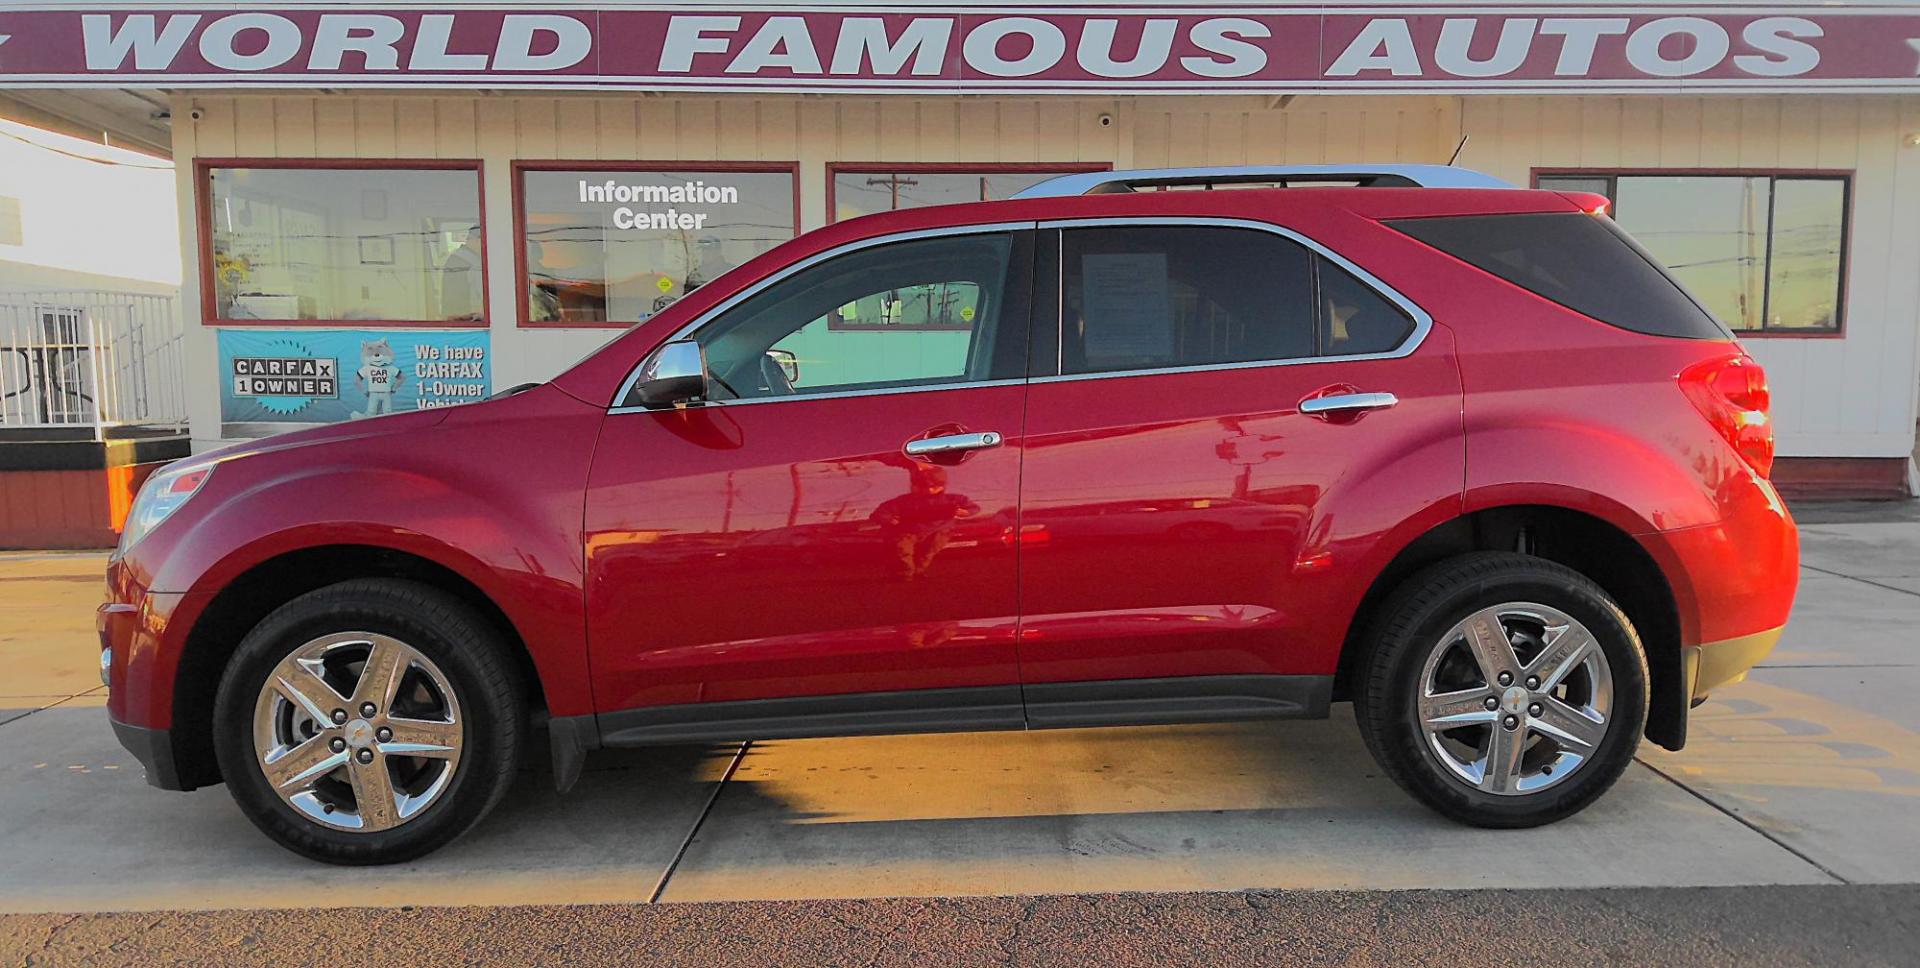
pixel 491 492
pixel 1199 524
pixel 790 548
pixel 1565 411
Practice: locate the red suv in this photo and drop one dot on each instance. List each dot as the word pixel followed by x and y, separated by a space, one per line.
pixel 1461 454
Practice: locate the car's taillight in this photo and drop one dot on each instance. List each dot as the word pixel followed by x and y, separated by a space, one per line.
pixel 1731 392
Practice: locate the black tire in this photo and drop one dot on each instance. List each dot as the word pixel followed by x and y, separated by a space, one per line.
pixel 466 649
pixel 1410 626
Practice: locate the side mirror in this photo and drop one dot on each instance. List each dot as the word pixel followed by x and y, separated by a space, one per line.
pixel 675 373
pixel 788 362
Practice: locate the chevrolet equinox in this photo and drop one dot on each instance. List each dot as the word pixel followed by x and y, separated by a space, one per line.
pixel 1106 453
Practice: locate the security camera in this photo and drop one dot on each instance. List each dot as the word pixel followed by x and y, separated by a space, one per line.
pixel 195 114
pixel 1106 120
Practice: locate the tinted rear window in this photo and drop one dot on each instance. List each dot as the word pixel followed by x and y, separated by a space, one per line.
pixel 1582 262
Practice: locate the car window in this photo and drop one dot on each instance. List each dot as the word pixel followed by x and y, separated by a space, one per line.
pixel 1138 297
pixel 1354 318
pixel 1583 262
pixel 904 314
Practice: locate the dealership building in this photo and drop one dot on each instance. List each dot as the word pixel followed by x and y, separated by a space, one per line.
pixel 384 207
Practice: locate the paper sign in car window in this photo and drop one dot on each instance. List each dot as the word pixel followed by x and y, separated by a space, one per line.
pixel 1129 311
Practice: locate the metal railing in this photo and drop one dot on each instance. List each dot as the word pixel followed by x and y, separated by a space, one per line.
pixel 91 358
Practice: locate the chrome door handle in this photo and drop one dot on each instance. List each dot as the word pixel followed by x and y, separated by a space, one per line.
pixel 951 443
pixel 1348 402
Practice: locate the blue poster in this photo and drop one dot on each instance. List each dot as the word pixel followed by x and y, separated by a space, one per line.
pixel 309 376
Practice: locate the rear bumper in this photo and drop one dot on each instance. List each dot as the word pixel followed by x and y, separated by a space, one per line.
pixel 1733 585
pixel 1715 664
pixel 154 749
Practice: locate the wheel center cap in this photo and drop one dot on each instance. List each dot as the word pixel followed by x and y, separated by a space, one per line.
pixel 358 734
pixel 1513 701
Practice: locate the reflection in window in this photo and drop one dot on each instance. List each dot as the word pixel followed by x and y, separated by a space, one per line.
pixel 1761 252
pixel 857 193
pixel 1803 272
pixel 938 305
pixel 618 246
pixel 363 244
pixel 783 340
pixel 1354 319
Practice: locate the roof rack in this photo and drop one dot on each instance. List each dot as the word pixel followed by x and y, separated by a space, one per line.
pixel 1371 176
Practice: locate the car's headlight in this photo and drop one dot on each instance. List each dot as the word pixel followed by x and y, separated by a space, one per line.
pixel 164 493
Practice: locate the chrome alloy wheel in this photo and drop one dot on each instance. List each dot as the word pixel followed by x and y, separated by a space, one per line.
pixel 357 731
pixel 1515 698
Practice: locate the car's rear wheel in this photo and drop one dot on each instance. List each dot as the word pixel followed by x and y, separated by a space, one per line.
pixel 1503 690
pixel 369 722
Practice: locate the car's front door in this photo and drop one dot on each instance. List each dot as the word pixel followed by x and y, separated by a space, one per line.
pixel 1223 420
pixel 836 519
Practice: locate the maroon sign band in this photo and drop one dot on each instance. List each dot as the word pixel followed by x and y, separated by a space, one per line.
pixel 1049 50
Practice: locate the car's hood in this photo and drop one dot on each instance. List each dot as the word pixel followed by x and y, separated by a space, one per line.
pixel 325 433
pixel 386 424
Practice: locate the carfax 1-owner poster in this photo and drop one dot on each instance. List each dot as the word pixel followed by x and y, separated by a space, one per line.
pixel 274 380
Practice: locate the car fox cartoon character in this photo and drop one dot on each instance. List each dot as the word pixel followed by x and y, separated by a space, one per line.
pixel 378 376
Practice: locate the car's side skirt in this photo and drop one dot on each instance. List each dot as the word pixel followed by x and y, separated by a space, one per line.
pixel 1125 702
pixel 1185 699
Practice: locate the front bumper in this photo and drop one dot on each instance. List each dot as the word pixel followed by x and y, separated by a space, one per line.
pixel 137 641
pixel 154 749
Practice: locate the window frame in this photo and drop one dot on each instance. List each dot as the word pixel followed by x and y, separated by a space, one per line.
pixel 837 168
pixel 1844 176
pixel 517 175
pixel 693 327
pixel 203 169
pixel 1408 345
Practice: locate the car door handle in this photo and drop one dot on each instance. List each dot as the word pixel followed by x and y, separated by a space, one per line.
pixel 1348 403
pixel 951 443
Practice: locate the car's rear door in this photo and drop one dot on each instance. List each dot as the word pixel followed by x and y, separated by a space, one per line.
pixel 1227 415
pixel 836 521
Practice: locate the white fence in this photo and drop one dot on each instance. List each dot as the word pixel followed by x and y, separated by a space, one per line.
pixel 91 358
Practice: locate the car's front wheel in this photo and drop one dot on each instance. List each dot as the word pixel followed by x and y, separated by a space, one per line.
pixel 1503 690
pixel 369 722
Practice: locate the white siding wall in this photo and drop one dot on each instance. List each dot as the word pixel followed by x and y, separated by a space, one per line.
pixel 1834 397
pixel 1848 397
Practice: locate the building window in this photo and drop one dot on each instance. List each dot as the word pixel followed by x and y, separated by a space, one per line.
pixel 1765 252
pixel 344 241
pixel 605 244
pixel 863 189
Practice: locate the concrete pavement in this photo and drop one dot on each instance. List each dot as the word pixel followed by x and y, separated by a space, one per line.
pixel 1807 774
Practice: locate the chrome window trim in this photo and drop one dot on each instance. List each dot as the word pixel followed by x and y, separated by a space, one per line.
pixel 836 395
pixel 1059 305
pixel 626 386
pixel 1422 322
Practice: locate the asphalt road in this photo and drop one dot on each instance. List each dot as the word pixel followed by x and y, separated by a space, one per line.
pixel 1830 927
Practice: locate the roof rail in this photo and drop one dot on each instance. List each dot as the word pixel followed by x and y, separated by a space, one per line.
pixel 1372 176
